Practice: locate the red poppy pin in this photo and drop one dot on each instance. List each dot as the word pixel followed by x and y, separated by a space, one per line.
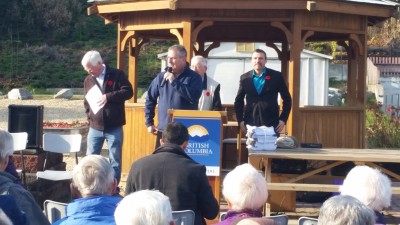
pixel 109 83
pixel 207 93
pixel 268 77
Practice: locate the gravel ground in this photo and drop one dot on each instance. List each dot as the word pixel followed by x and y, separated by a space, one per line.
pixel 54 110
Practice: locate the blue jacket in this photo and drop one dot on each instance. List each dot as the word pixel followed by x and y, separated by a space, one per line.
pixel 90 211
pixel 183 93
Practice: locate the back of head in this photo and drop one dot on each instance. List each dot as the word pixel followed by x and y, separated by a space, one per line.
pixel 145 207
pixel 245 188
pixel 93 57
pixel 93 176
pixel 368 185
pixel 6 144
pixel 175 133
pixel 345 210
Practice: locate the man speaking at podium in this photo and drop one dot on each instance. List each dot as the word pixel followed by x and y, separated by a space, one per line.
pixel 176 88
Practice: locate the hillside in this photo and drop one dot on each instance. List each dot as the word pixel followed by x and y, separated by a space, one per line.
pixel 43 41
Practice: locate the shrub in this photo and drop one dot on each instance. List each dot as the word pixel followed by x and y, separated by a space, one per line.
pixel 382 130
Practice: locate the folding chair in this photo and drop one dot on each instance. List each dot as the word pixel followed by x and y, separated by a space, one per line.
pixel 308 221
pixel 184 217
pixel 20 140
pixel 279 219
pixel 222 216
pixel 59 143
pixel 54 210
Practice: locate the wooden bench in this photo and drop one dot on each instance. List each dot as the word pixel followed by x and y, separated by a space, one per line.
pixel 312 187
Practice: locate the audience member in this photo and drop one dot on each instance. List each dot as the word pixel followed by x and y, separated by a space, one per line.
pixel 210 98
pixel 11 209
pixel 93 185
pixel 171 171
pixel 345 210
pixel 11 169
pixel 371 187
pixel 178 87
pixel 9 184
pixel 245 191
pixel 144 207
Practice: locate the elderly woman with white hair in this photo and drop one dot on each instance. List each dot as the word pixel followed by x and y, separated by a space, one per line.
pixel 371 187
pixel 345 209
pixel 145 207
pixel 245 191
pixel 93 185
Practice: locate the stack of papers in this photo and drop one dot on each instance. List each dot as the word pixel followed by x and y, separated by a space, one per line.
pixel 261 138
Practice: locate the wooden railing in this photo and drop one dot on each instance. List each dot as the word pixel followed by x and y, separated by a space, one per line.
pixel 333 127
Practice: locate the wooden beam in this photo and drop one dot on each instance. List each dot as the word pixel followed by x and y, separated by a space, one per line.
pixel 249 4
pixel 312 187
pixel 177 34
pixel 121 7
pixel 200 27
pixel 355 38
pixel 273 46
pixel 125 38
pixel 188 38
pixel 211 47
pixel 288 33
pixel 351 8
pixel 305 37
pixel 153 26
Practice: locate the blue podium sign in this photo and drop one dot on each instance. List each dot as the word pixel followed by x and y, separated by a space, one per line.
pixel 204 141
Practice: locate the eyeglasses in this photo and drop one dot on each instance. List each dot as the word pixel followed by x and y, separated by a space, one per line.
pixel 174 58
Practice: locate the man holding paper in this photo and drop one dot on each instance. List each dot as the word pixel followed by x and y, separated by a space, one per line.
pixel 106 89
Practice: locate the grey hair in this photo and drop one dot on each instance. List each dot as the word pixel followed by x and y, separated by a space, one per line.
pixel 245 188
pixel 93 175
pixel 6 144
pixel 93 57
pixel 369 185
pixel 180 49
pixel 145 207
pixel 345 210
pixel 200 59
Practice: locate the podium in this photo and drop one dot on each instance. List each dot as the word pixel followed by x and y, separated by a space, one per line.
pixel 205 140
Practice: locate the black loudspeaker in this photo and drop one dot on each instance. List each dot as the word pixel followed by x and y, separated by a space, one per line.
pixel 27 118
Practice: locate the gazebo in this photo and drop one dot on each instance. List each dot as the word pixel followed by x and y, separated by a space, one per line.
pixel 291 23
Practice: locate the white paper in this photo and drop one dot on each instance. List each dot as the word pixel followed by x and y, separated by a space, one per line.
pixel 93 96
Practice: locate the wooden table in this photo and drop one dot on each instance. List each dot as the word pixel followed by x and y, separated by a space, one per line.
pixel 333 156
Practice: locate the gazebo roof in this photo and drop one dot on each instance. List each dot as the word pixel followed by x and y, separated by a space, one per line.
pixel 237 20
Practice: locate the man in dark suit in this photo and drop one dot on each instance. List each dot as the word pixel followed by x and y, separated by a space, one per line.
pixel 260 87
pixel 171 171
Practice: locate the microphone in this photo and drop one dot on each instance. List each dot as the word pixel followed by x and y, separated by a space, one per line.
pixel 167 70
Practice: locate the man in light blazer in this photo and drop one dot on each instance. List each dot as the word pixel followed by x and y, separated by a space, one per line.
pixel 210 98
